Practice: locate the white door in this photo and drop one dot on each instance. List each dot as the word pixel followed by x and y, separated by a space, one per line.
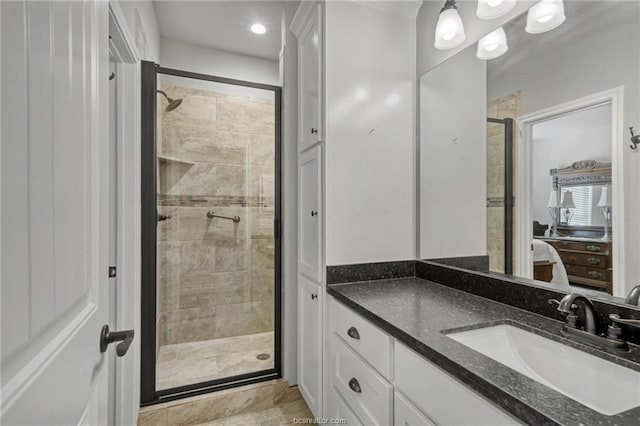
pixel 310 299
pixel 310 82
pixel 54 223
pixel 310 222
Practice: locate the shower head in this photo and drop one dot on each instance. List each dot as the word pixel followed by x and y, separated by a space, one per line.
pixel 173 103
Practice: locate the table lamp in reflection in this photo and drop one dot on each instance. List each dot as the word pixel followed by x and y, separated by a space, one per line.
pixel 554 208
pixel 605 207
pixel 567 205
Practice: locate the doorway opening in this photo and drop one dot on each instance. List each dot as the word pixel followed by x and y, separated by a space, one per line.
pixel 210 233
pixel 561 230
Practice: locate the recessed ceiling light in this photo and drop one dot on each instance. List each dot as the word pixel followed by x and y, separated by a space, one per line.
pixel 258 29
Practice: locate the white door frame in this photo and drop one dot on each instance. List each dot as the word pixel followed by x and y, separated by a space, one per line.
pixel 127 374
pixel 523 214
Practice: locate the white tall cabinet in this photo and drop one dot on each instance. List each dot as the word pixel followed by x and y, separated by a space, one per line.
pixel 356 107
pixel 307 27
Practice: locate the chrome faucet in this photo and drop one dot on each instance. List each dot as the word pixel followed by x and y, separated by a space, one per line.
pixel 568 306
pixel 633 298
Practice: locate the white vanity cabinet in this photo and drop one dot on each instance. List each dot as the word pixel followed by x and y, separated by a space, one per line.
pixel 443 399
pixel 310 303
pixel 380 381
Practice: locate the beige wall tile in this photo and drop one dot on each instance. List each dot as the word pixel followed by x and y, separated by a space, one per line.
pixel 262 253
pixel 227 145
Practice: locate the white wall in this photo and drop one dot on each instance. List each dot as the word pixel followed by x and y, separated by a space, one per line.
pixel 428 57
pixel 147 24
pixel 557 143
pixel 369 110
pixel 453 184
pixel 220 63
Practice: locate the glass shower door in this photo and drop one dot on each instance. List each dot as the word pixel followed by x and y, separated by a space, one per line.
pixel 216 253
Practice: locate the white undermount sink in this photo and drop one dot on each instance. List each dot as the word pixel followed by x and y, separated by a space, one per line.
pixel 599 384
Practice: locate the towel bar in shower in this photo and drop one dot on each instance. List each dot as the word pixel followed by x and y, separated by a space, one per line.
pixel 211 214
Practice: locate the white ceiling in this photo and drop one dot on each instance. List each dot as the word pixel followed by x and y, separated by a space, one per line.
pixel 223 24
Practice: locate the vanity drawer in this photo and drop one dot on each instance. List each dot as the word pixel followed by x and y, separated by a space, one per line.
pixel 598 274
pixel 370 342
pixel 366 393
pixel 587 246
pixel 440 396
pixel 587 259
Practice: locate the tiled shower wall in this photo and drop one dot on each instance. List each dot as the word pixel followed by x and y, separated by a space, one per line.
pixel 215 277
pixel 509 106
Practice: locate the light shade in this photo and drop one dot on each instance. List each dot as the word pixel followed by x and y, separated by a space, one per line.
pixel 490 9
pixel 545 16
pixel 553 199
pixel 567 200
pixel 449 30
pixel 605 197
pixel 492 45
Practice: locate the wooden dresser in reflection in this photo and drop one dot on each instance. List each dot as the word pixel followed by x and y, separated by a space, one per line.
pixel 588 262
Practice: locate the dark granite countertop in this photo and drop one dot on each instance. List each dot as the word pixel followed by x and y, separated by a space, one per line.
pixel 416 312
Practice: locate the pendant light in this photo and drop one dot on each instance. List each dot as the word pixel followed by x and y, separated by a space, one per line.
pixel 490 9
pixel 492 45
pixel 545 16
pixel 449 29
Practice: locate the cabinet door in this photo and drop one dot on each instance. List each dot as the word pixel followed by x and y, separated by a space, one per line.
pixel 309 221
pixel 338 409
pixel 439 395
pixel 310 51
pixel 310 299
pixel 405 414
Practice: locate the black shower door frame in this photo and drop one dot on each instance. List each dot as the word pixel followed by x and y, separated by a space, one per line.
pixel 148 392
pixel 508 191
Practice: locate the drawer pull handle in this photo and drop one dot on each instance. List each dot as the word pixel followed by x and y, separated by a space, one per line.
pixel 595 274
pixel 593 261
pixel 353 333
pixel 314 213
pixel 593 248
pixel 354 385
pixel 314 131
pixel 314 296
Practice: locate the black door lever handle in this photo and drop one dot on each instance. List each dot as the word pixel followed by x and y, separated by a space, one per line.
pixel 107 337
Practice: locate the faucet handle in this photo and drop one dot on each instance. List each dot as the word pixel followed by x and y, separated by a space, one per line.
pixel 615 319
pixel 557 303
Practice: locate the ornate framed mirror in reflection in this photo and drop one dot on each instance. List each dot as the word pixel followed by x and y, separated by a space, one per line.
pixel 525 157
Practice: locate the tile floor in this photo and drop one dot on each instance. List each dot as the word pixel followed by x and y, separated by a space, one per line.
pixel 194 362
pixel 266 404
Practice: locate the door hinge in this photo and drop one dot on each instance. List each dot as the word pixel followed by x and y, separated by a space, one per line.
pixel 112 271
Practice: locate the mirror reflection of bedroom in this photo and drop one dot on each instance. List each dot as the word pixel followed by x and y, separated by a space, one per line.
pixel 571 200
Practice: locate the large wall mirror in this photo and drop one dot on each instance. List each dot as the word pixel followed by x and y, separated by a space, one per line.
pixel 526 157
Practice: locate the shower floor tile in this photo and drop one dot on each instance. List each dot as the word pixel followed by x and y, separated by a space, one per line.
pixel 194 362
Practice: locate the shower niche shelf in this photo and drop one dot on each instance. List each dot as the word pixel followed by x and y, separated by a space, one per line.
pixel 169 159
